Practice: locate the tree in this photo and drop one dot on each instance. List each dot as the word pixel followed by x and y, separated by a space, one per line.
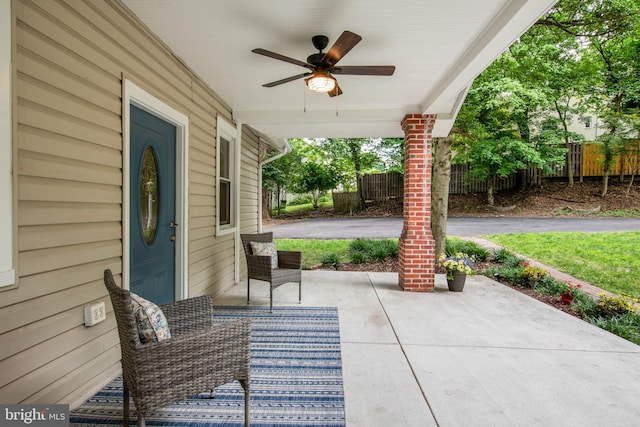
pixel 351 158
pixel 315 179
pixel 492 130
pixel 278 175
pixel 609 34
pixel 500 158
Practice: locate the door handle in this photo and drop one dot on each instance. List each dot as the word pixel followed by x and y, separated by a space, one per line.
pixel 172 238
pixel 173 224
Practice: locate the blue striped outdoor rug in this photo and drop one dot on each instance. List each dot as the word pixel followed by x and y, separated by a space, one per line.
pixel 296 377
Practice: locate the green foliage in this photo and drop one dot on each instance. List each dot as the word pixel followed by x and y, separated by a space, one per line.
pixel 502 157
pixel 614 313
pixel 507 258
pixel 626 325
pixel 331 260
pixel 506 274
pixel 532 276
pixel 367 250
pixel 300 200
pixel 454 245
pixel 622 213
pixel 358 257
pixel 582 57
pixel 313 251
pixel 585 306
pixel 612 305
pixel 316 178
pixel 609 260
pixel 550 286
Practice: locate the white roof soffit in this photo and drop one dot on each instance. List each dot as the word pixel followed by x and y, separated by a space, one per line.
pixel 437 46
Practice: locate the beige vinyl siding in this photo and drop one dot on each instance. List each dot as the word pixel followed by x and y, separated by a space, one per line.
pixel 248 189
pixel 71 56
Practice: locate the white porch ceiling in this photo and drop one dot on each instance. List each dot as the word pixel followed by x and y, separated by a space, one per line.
pixel 437 46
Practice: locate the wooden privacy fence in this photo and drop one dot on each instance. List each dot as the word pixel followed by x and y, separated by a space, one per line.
pixel 585 157
pixel 462 183
pixel 593 164
pixel 345 202
pixel 382 186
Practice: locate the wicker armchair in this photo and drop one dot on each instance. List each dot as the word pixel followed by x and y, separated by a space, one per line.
pixel 198 357
pixel 289 268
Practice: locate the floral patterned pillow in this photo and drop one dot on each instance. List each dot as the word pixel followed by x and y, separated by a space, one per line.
pixel 268 249
pixel 151 323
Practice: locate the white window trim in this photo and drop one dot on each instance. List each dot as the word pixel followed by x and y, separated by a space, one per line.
pixel 229 132
pixel 135 95
pixel 7 267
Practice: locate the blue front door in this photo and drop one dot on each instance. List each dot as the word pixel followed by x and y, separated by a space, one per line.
pixel 152 201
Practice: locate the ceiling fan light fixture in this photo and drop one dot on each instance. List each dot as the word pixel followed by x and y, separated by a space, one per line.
pixel 321 82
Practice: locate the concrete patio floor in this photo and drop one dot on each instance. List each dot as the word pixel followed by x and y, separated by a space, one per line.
pixel 489 356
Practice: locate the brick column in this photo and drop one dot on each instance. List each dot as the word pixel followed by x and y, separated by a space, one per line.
pixel 417 247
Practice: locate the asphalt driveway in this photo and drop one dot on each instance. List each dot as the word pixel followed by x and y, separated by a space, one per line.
pixel 354 227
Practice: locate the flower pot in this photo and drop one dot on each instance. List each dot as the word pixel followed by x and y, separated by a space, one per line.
pixel 566 299
pixel 457 283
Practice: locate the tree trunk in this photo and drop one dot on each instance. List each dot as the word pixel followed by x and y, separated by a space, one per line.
pixel 490 199
pixel 605 183
pixel 567 144
pixel 266 198
pixel 562 115
pixel 440 191
pixel 278 200
pixel 354 151
pixel 361 200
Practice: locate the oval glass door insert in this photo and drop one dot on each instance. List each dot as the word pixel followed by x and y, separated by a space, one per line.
pixel 149 195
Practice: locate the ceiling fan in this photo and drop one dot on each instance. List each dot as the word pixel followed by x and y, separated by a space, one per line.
pixel 322 66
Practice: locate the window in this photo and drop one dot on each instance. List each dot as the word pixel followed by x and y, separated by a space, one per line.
pixel 7 271
pixel 225 177
pixel 587 122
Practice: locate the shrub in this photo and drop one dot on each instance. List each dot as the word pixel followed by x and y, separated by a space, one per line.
pixel 625 325
pixel 609 306
pixel 550 286
pixel 373 249
pixel 454 246
pixel 505 273
pixel 507 258
pixel 585 305
pixel 300 200
pixel 331 259
pixel 358 257
pixel 532 276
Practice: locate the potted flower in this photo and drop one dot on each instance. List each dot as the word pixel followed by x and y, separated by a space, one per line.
pixel 458 266
pixel 570 293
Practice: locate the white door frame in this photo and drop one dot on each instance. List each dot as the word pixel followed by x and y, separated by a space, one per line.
pixel 135 95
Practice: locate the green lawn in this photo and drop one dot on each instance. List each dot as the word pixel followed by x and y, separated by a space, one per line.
pixel 347 250
pixel 313 250
pixel 610 261
pixel 304 207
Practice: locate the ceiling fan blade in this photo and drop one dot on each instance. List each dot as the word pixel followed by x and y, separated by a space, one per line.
pixel 281 57
pixel 287 80
pixel 366 70
pixel 340 48
pixel 335 92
